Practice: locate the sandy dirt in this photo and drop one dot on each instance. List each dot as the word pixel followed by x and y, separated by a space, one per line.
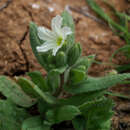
pixel 16 57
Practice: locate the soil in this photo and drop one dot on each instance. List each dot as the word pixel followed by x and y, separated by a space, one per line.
pixel 16 57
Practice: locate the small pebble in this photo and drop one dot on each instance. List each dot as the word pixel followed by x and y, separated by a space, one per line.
pixel 51 9
pixel 35 6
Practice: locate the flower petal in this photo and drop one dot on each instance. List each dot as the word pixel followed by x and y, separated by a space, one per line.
pixel 45 47
pixel 45 34
pixel 56 24
pixel 66 31
pixel 54 51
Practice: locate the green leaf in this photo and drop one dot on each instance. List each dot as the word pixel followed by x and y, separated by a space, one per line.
pixel 97 9
pixel 43 106
pixel 97 84
pixel 11 116
pixel 33 123
pixel 61 69
pixel 39 80
pixel 68 21
pixel 35 41
pixel 123 18
pixel 98 114
pixel 117 95
pixel 63 113
pixel 123 68
pixel 79 123
pixel 125 49
pixel 13 92
pixel 113 24
pixel 53 80
pixel 103 15
pixel 27 86
pixel 30 88
pixel 46 96
pixel 67 112
pixel 79 99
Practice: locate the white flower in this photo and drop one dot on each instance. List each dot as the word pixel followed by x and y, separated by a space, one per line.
pixel 53 39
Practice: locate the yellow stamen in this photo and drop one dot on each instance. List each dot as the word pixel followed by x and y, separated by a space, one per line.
pixel 59 41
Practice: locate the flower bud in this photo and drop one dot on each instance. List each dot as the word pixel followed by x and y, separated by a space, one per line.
pixel 50 61
pixel 77 75
pixel 60 59
pixel 73 54
pixel 82 68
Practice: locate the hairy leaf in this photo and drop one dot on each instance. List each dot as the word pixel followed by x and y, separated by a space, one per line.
pixel 63 113
pixel 97 84
pixel 39 80
pixel 43 106
pixel 30 88
pixel 79 99
pixel 35 41
pixel 11 116
pixel 13 92
pixel 34 89
pixel 68 21
pixel 98 114
pixel 27 86
pixel 33 123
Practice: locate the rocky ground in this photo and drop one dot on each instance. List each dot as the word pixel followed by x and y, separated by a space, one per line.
pixel 16 57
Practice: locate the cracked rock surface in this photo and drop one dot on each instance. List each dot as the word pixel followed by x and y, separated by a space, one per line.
pixel 16 57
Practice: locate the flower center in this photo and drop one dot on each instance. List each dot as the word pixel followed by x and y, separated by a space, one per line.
pixel 59 41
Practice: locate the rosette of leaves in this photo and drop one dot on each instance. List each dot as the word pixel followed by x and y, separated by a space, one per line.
pixel 66 93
